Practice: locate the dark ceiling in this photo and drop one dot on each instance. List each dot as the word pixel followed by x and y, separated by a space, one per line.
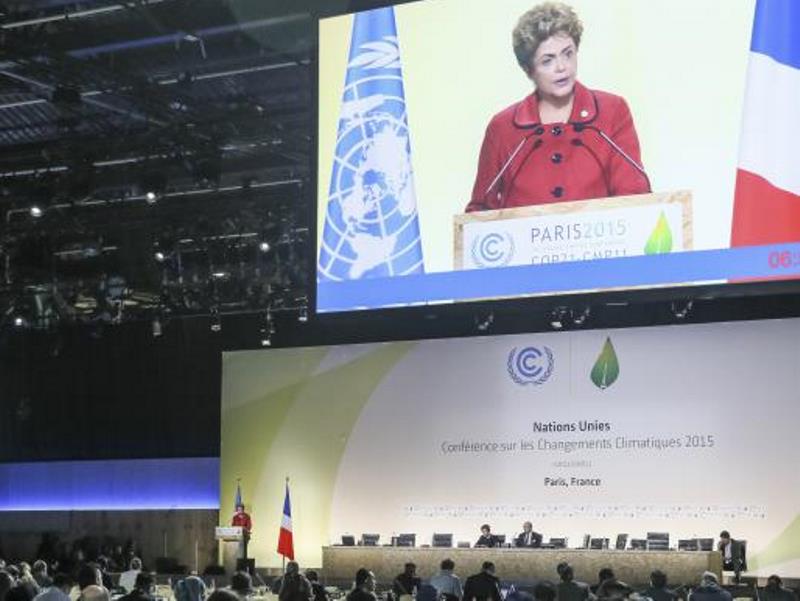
pixel 153 158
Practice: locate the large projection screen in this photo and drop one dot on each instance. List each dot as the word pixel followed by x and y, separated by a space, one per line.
pixel 396 163
pixel 684 429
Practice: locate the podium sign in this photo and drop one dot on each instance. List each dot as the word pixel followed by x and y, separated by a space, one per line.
pixel 574 231
pixel 229 533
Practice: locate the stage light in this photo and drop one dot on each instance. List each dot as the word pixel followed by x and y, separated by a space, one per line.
pixel 579 317
pixel 19 321
pixel 680 309
pixel 484 322
pixel 157 327
pixel 150 197
pixel 216 322
pixel 267 329
pixel 558 317
pixel 159 256
pixel 302 316
pixel 264 246
pixel 36 211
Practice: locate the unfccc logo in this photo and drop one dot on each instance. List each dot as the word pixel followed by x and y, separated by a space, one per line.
pixel 493 250
pixel 530 365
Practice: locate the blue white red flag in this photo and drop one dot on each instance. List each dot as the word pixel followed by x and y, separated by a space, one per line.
pixel 285 538
pixel 767 199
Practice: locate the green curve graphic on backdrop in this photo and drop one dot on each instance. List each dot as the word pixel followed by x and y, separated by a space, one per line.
pixel 295 425
pixel 785 547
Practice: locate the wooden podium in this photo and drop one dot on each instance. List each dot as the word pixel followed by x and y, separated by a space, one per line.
pixel 580 230
pixel 231 545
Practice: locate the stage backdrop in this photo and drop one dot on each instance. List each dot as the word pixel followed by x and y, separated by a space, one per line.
pixel 683 429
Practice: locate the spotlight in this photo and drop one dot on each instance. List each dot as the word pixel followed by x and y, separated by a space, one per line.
pixel 579 317
pixel 267 329
pixel 216 322
pixel 681 308
pixel 159 256
pixel 264 246
pixel 558 317
pixel 150 197
pixel 36 212
pixel 157 327
pixel 19 321
pixel 484 322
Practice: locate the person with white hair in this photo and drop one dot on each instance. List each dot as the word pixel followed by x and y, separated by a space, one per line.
pixel 127 580
pixel 709 589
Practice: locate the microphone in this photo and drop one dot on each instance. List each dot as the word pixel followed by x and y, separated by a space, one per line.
pixel 579 127
pixel 536 132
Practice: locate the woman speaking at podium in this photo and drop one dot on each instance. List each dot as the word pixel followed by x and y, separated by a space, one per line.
pixel 564 141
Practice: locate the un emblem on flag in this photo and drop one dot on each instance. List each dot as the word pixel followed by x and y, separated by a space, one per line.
pixel 371 224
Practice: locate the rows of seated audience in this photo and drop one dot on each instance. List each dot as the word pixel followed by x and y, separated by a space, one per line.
pixel 92 581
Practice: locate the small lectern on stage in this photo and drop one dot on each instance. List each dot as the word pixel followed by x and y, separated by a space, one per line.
pixel 231 544
pixel 582 230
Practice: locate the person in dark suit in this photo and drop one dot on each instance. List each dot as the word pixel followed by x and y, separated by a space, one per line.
pixel 484 585
pixel 658 590
pixel 487 539
pixel 733 554
pixel 568 589
pixel 774 591
pixel 528 539
pixel 709 590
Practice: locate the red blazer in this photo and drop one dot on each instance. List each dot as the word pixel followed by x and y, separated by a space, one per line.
pixel 243 520
pixel 558 163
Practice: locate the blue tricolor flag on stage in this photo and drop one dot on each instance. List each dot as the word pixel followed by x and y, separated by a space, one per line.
pixel 286 537
pixel 371 225
pixel 237 500
pixel 767 199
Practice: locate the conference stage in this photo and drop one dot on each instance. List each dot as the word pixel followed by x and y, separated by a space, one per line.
pixel 521 566
pixel 686 430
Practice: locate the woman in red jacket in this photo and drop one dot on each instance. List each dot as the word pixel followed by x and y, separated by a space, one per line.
pixel 564 141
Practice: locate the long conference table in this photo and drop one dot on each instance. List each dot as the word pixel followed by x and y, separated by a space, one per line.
pixel 521 566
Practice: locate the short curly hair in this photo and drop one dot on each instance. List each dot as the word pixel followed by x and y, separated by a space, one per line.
pixel 541 22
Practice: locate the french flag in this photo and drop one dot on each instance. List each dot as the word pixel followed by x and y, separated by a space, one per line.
pixel 285 540
pixel 766 206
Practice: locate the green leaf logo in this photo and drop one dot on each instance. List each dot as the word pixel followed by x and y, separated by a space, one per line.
pixel 660 241
pixel 606 369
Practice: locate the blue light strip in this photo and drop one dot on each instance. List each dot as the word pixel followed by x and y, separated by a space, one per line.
pixel 191 483
pixel 780 260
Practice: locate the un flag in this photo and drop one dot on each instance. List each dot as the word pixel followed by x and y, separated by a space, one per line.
pixel 371 224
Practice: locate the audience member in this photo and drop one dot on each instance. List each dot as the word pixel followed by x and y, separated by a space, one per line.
pixel 142 589
pixel 426 592
pixel 364 589
pixel 446 583
pixel 609 587
pixel 102 565
pixel 775 591
pixel 127 580
pixel 19 593
pixel 295 586
pixel 58 590
pixel 94 592
pixel 39 573
pixel 483 585
pixel 222 594
pixel 190 588
pixel 709 589
pixel 318 592
pixel 568 589
pixel 7 582
pixel 407 583
pixel 88 575
pixel 658 590
pixel 544 591
pixel 242 584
